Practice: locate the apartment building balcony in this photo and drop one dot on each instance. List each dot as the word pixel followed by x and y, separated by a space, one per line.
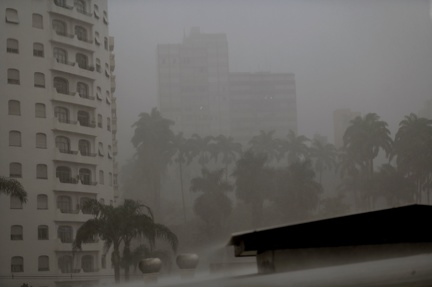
pixel 76 157
pixel 75 185
pixel 74 98
pixel 71 12
pixel 72 40
pixel 73 69
pixel 72 215
pixel 113 83
pixel 111 43
pixel 75 127
pixel 112 62
pixel 66 245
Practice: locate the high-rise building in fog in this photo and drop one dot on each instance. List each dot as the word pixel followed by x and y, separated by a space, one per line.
pixel 262 102
pixel 193 83
pixel 58 126
pixel 341 121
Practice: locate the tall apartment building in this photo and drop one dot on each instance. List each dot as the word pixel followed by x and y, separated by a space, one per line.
pixel 262 101
pixel 193 83
pixel 58 126
pixel 341 121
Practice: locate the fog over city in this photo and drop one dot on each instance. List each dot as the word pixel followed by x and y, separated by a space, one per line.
pixel 367 56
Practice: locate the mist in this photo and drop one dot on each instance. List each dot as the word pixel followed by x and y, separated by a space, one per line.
pixel 368 56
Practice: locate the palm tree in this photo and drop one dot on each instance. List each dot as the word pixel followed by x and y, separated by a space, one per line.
pixel 213 205
pixel 266 144
pixel 153 141
pixel 12 187
pixel 121 224
pixel 229 150
pixel 201 147
pixel 252 182
pixel 324 155
pixel 295 147
pixel 413 150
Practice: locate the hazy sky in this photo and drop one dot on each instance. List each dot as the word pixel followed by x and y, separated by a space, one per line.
pixel 366 55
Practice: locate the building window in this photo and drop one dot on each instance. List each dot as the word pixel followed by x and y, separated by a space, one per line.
pixel 12 16
pixel 14 108
pixel 39 80
pixel 13 77
pixel 100 149
pixel 40 110
pixel 15 170
pixel 15 203
pixel 108 124
pixel 41 140
pixel 101 177
pixel 42 201
pixel 97 40
pixel 110 179
pixel 80 6
pixel 98 65
pixel 109 151
pixel 106 43
pixel 60 55
pixel 64 232
pixel 43 232
pixel 12 46
pixel 17 264
pixel 41 171
pixel 82 90
pixel 37 21
pixel 87 263
pixel 61 85
pixel 64 203
pixel 84 147
pixel 14 138
pixel 81 33
pixel 59 27
pixel 100 120
pixel 65 264
pixel 82 60
pixel 85 176
pixel 62 3
pixel 99 93
pixel 105 17
pixel 16 232
pixel 43 263
pixel 38 50
pixel 84 118
pixel 107 73
pixel 64 174
pixel 62 144
pixel 62 114
pixel 96 11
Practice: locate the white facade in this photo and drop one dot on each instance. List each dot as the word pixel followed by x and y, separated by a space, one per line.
pixel 57 124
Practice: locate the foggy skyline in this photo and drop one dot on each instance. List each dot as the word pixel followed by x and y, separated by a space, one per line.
pixel 368 56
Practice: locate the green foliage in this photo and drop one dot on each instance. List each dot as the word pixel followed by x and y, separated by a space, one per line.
pixel 12 187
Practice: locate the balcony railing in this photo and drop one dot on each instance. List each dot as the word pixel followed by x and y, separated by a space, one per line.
pixel 68 151
pixel 63 5
pixel 68 180
pixel 88 154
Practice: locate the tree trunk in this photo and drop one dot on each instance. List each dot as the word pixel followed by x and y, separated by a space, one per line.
pixel 116 262
pixel 126 259
pixel 182 191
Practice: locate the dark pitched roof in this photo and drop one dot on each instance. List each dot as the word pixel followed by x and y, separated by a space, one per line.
pixel 406 224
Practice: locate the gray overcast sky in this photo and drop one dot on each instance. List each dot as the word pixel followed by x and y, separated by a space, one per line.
pixel 366 55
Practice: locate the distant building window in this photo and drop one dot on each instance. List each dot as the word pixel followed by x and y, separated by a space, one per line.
pixel 62 114
pixel 65 263
pixel 81 33
pixel 42 201
pixel 82 89
pixel 43 233
pixel 110 179
pixel 41 140
pixel 62 144
pixel 43 263
pixel 14 108
pixel 16 232
pixel 60 55
pixel 64 232
pixel 84 147
pixel 87 263
pixel 13 77
pixel 64 174
pixel 106 43
pixel 15 170
pixel 17 264
pixel 41 171
pixel 99 120
pixel 37 21
pixel 64 203
pixel 38 50
pixel 101 177
pixel 12 16
pixel 83 118
pixel 15 203
pixel 105 17
pixel 61 85
pixel 81 6
pixel 12 46
pixel 59 27
pixel 98 65
pixel 97 40
pixel 100 149
pixel 85 176
pixel 108 123
pixel 14 138
pixel 99 93
pixel 40 111
pixel 109 151
pixel 96 11
pixel 39 80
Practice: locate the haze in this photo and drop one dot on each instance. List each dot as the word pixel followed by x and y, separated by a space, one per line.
pixel 368 56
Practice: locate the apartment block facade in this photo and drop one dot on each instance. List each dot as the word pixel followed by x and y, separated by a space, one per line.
pixel 58 127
